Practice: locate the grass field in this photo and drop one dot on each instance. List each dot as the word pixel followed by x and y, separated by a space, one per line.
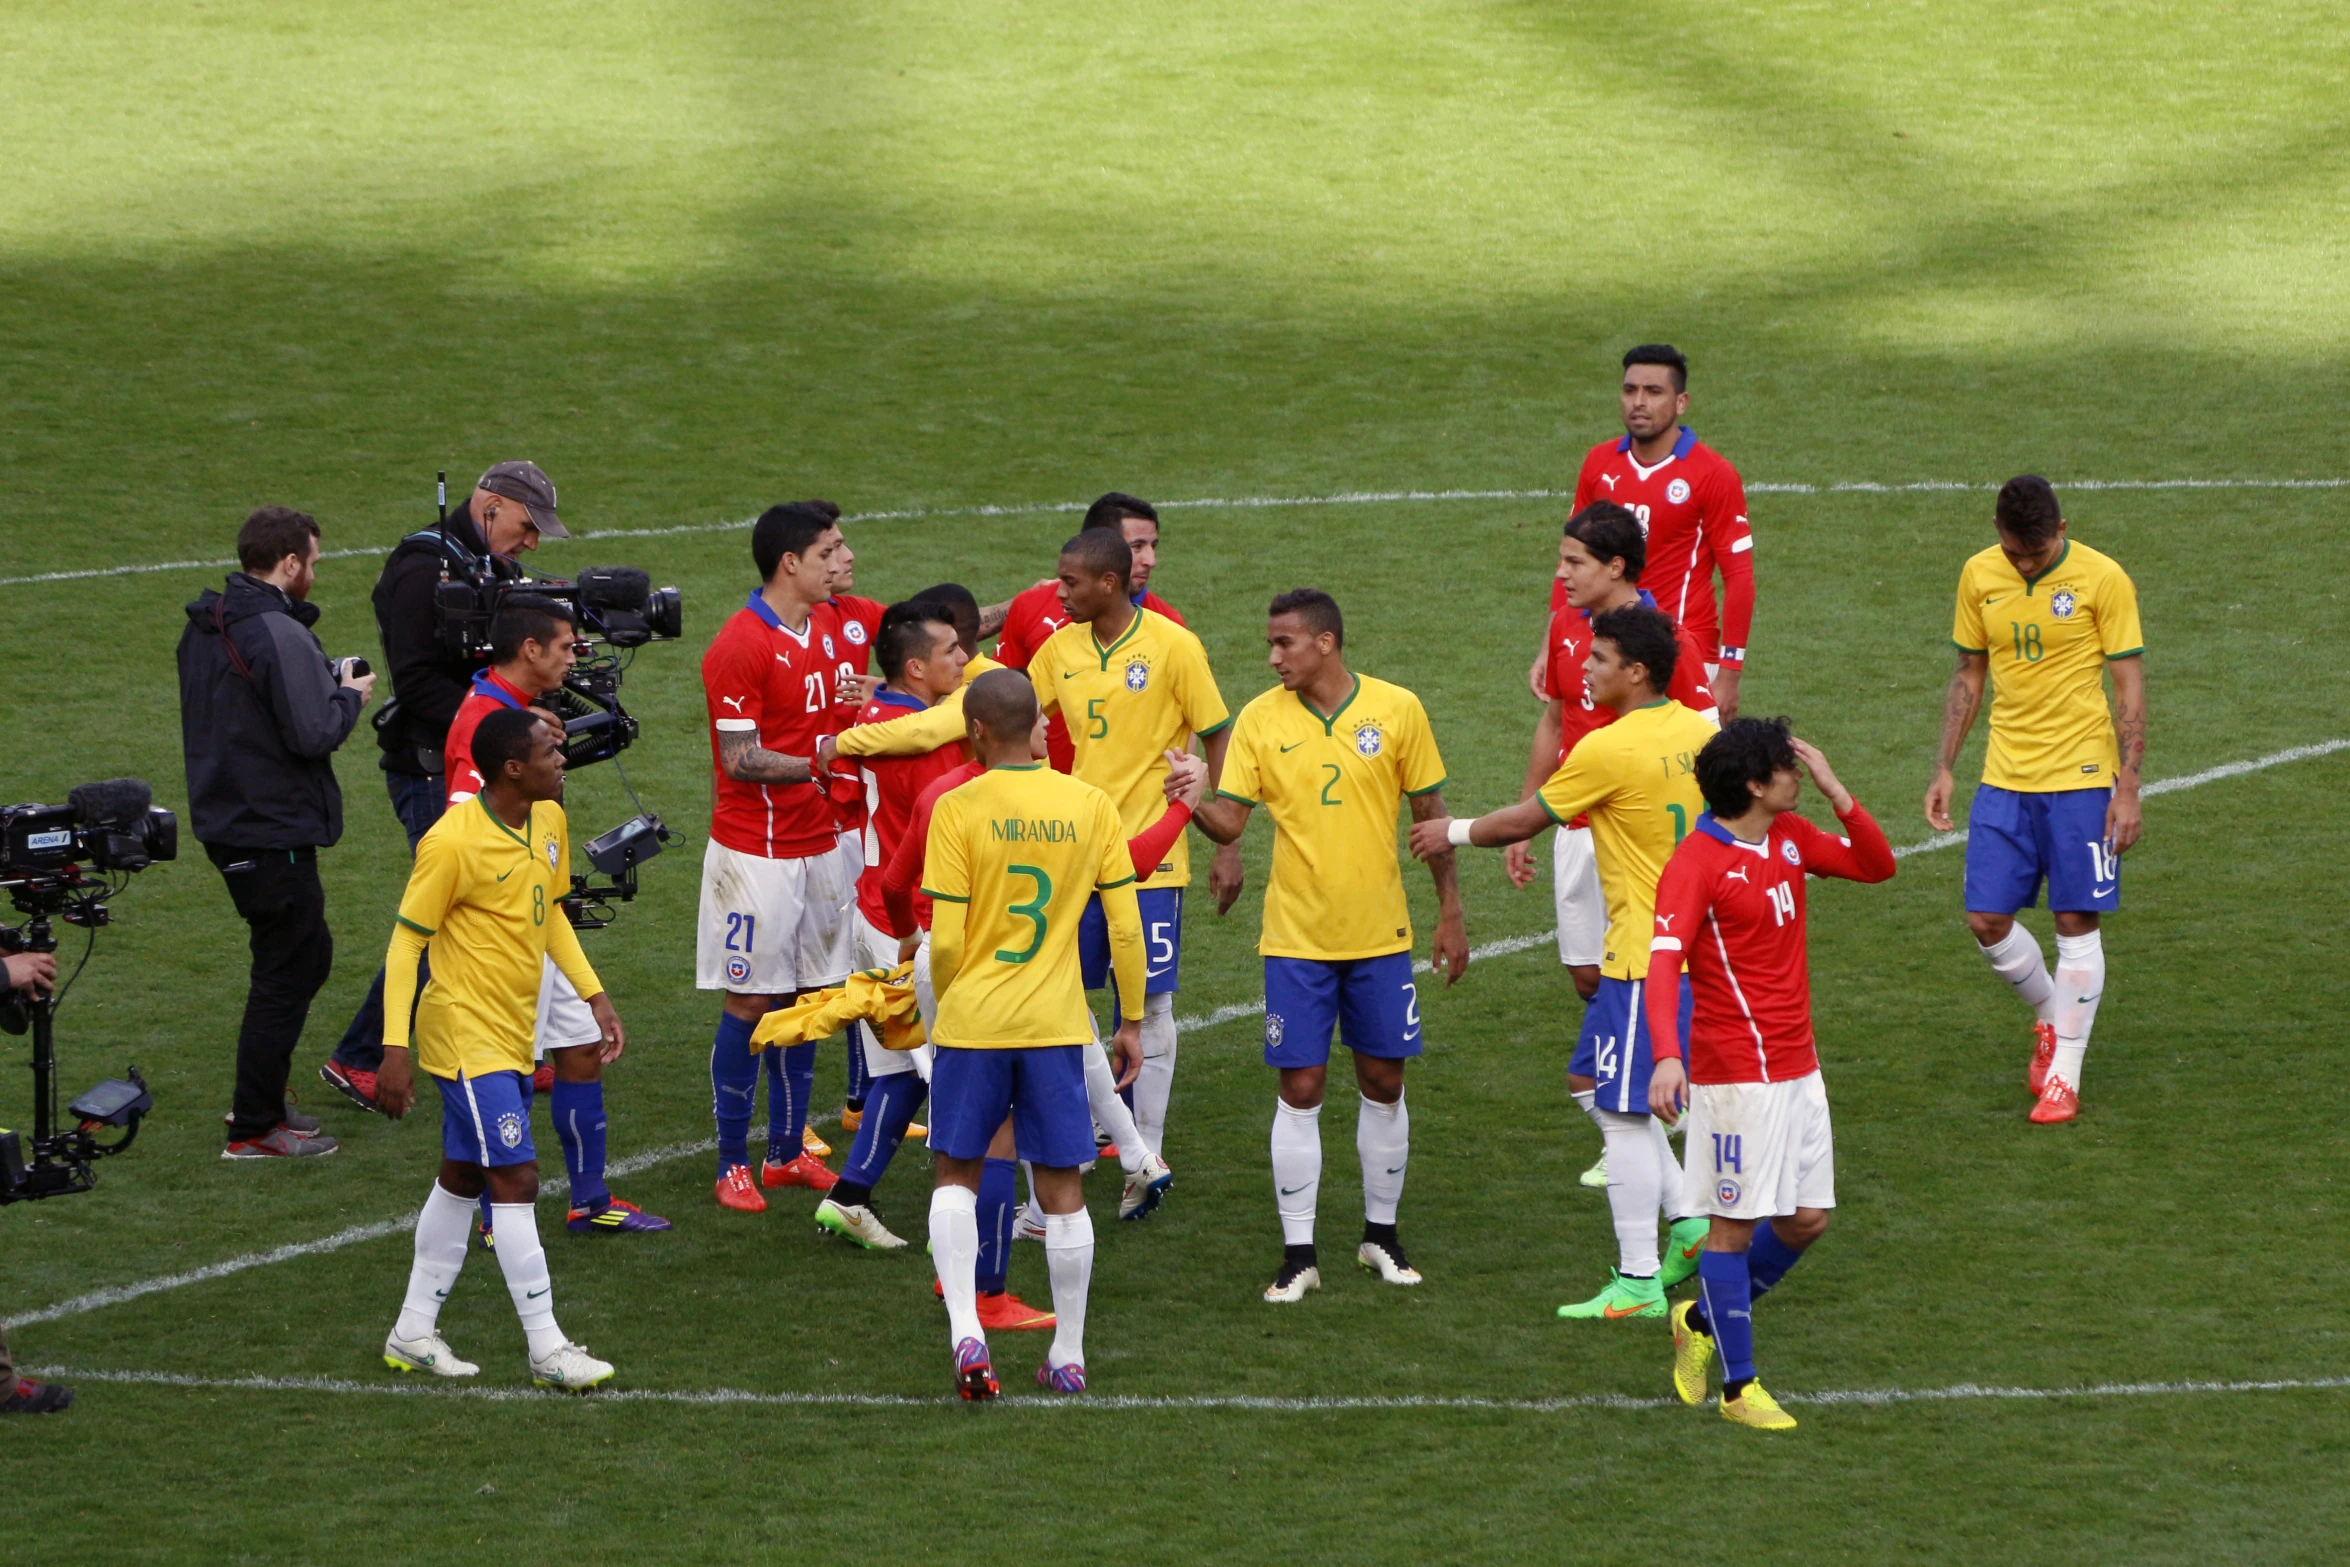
pixel 963 266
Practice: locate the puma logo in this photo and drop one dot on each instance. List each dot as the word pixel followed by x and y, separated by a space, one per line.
pixel 735 702
pixel 1665 921
pixel 1609 480
pixel 1738 875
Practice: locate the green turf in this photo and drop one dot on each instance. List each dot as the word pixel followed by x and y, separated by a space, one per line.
pixel 698 258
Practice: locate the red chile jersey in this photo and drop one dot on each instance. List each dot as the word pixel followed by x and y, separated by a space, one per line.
pixel 860 623
pixel 901 881
pixel 1562 675
pixel 489 693
pixel 762 676
pixel 1033 616
pixel 1734 911
pixel 1693 509
pixel 891 786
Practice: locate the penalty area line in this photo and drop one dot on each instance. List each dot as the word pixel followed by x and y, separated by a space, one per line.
pixel 1965 1392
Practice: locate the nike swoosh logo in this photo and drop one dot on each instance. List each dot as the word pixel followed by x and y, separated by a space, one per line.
pixel 1611 1314
pixel 1292 1191
pixel 1395 1169
pixel 1285 750
pixel 1691 1251
pixel 1154 973
pixel 502 875
pixel 1993 599
pixel 535 1294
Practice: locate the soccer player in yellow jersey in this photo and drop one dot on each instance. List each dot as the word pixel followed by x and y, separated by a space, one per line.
pixel 2046 619
pixel 487 893
pixel 1330 754
pixel 918 734
pixel 1012 861
pixel 1637 777
pixel 1133 685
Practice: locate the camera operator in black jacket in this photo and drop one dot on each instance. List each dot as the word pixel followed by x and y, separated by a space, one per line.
pixel 262 711
pixel 509 511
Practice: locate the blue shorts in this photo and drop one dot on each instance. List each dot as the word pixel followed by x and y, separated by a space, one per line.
pixel 485 1120
pixel 2013 840
pixel 1162 943
pixel 1042 1088
pixel 1613 1046
pixel 1371 1002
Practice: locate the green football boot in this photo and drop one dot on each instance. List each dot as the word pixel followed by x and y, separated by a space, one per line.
pixel 1683 1247
pixel 1622 1300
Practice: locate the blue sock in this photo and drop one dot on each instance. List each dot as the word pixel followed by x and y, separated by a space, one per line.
pixel 860 1080
pixel 791 1078
pixel 483 1203
pixel 997 1185
pixel 1767 1259
pixel 1729 1310
pixel 734 1083
pixel 579 1126
pixel 889 1105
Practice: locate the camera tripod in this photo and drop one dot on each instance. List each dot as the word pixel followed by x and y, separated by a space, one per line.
pixel 59 1161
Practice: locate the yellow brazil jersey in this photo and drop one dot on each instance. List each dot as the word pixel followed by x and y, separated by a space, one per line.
pixel 1638 779
pixel 2048 639
pixel 1012 860
pixel 917 734
pixel 1126 704
pixel 486 896
pixel 1332 786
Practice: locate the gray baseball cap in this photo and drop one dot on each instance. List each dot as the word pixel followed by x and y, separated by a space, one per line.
pixel 528 483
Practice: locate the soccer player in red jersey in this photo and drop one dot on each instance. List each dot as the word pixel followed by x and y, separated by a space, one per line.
pixel 778 884
pixel 1693 506
pixel 860 623
pixel 1762 1155
pixel 532 647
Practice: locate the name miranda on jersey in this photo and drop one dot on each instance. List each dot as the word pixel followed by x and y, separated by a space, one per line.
pixel 1036 829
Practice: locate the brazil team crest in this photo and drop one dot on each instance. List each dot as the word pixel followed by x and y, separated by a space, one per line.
pixel 553 856
pixel 2061 606
pixel 855 632
pixel 1273 1029
pixel 510 1129
pixel 1369 741
pixel 1677 491
pixel 1138 675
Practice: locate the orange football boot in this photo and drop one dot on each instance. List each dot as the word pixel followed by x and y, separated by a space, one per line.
pixel 2060 1102
pixel 804 1171
pixel 2043 1056
pixel 736 1191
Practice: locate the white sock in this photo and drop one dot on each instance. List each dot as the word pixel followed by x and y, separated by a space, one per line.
pixel 954 1248
pixel 1634 1190
pixel 1101 1096
pixel 1383 1139
pixel 1156 1085
pixel 1671 1194
pixel 2015 957
pixel 2080 981
pixel 524 1262
pixel 442 1230
pixel 1587 1099
pixel 1297 1170
pixel 1068 1261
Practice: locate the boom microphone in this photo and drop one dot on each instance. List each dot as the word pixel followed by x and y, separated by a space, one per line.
pixel 111 802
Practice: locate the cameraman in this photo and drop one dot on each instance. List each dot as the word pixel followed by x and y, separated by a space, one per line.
pixel 262 711
pixel 22 1396
pixel 509 511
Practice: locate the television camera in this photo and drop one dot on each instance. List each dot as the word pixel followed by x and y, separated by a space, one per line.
pixel 62 862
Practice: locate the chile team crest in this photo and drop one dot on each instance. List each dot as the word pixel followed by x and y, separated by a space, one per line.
pixel 2061 606
pixel 1677 491
pixel 738 970
pixel 1138 675
pixel 855 632
pixel 1369 741
pixel 828 648
pixel 1791 854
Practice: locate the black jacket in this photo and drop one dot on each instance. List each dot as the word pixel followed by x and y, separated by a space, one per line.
pixel 260 741
pixel 428 681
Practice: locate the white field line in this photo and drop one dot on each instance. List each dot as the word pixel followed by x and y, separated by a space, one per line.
pixel 717 1397
pixel 358 1233
pixel 1245 503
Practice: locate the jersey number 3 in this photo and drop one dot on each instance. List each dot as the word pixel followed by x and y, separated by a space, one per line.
pixel 1032 911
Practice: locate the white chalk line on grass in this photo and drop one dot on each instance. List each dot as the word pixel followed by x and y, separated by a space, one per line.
pixel 1242 503
pixel 621 1168
pixel 1964 1392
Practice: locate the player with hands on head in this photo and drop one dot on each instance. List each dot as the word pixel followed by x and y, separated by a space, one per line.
pixel 1330 755
pixel 1013 859
pixel 486 892
pixel 2045 618
pixel 1636 778
pixel 1762 1154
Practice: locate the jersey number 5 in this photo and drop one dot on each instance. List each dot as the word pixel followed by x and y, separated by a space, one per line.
pixel 1101 725
pixel 1031 911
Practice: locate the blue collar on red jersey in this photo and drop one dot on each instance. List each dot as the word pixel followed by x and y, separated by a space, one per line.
pixel 1682 443
pixel 761 608
pixel 486 683
pixel 1647 601
pixel 1720 834
pixel 888 698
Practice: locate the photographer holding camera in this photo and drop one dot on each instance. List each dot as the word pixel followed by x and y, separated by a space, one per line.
pixel 262 711
pixel 509 511
pixel 28 971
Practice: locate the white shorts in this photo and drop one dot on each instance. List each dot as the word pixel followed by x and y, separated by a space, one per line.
pixel 772 927
pixel 1582 907
pixel 564 1019
pixel 1760 1150
pixel 877 948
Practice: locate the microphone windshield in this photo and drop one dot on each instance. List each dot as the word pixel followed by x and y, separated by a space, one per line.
pixel 111 802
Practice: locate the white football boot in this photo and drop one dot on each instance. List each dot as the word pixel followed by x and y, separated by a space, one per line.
pixel 858 1223
pixel 570 1369
pixel 1293 1284
pixel 429 1353
pixel 1145 1188
pixel 1387 1261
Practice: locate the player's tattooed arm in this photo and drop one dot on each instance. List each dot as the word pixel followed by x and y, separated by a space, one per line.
pixel 1961 700
pixel 2124 820
pixel 1451 951
pixel 742 759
